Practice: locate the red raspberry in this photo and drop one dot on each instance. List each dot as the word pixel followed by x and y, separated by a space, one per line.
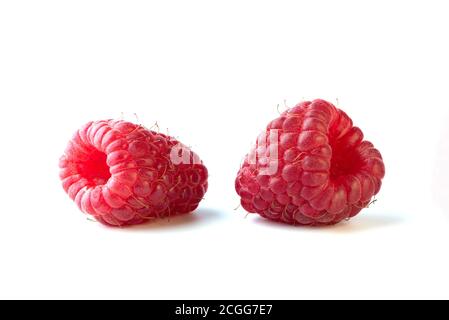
pixel 123 174
pixel 310 167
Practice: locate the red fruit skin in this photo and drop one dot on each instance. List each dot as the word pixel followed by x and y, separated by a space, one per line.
pixel 310 167
pixel 124 174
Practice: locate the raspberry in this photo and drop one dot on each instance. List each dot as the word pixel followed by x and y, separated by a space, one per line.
pixel 123 174
pixel 310 167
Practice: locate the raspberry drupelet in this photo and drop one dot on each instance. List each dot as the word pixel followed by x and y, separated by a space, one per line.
pixel 310 167
pixel 123 174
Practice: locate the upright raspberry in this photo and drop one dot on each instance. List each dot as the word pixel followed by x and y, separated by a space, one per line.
pixel 124 174
pixel 310 167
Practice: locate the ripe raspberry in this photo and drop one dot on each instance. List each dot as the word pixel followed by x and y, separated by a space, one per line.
pixel 123 174
pixel 310 167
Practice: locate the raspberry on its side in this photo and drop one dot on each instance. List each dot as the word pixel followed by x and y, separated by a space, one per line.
pixel 310 167
pixel 123 174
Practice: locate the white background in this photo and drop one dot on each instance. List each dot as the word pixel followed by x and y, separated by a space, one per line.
pixel 213 72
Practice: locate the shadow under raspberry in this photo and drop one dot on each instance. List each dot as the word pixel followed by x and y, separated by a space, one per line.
pixel 363 222
pixel 200 216
pixel 367 221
